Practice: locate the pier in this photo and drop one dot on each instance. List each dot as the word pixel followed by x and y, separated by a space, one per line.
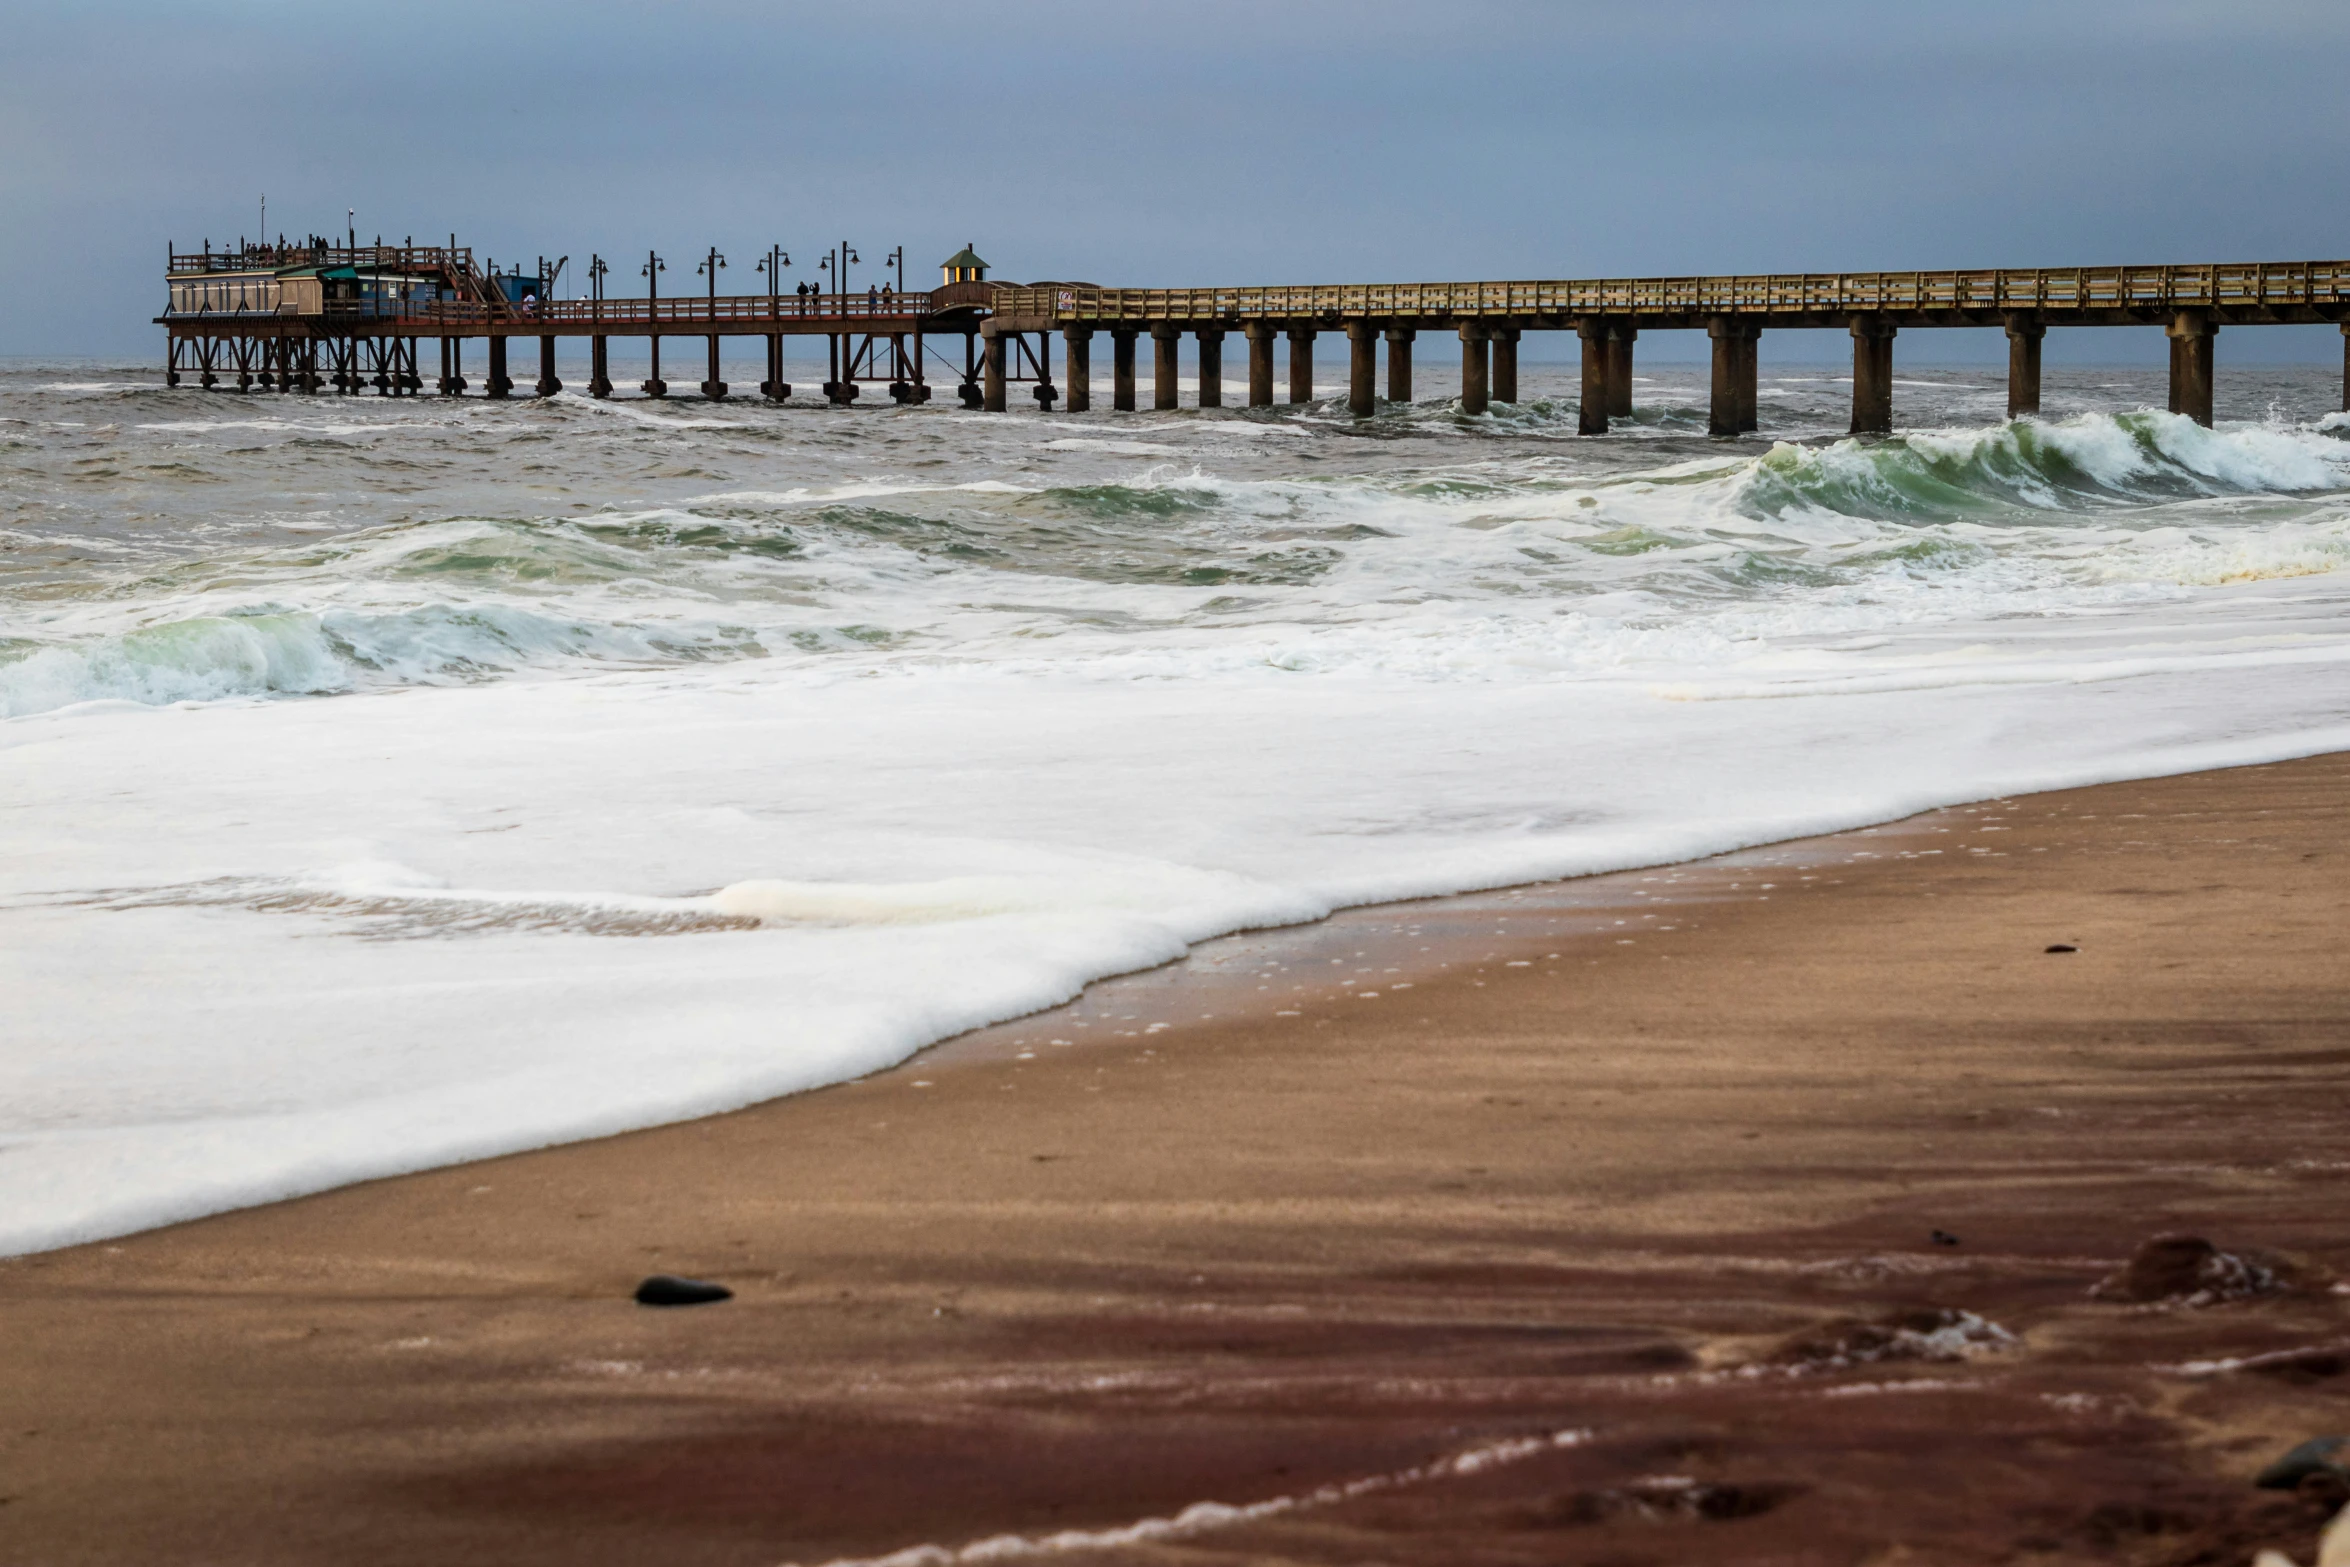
pixel 307 319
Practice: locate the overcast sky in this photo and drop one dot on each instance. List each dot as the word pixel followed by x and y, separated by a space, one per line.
pixel 1163 143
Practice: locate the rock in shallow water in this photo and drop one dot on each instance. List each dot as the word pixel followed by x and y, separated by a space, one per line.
pixel 2187 1270
pixel 667 1289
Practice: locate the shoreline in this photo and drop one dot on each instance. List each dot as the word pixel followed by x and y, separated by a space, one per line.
pixel 1014 1287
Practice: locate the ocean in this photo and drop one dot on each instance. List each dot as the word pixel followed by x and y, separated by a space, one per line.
pixel 390 783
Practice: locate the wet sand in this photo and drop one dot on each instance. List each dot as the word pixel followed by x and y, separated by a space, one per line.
pixel 1590 1223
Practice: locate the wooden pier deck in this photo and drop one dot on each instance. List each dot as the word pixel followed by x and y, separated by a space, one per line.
pixel 247 315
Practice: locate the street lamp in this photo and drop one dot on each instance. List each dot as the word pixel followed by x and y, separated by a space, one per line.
pixel 711 266
pixel 599 377
pixel 651 272
pixel 772 264
pixel 897 259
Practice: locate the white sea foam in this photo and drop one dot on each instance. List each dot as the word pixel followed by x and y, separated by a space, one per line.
pixel 470 827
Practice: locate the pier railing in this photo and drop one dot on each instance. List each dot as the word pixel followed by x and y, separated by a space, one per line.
pixel 2066 290
pixel 686 314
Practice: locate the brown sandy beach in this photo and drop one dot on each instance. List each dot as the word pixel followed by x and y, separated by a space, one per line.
pixel 1604 1231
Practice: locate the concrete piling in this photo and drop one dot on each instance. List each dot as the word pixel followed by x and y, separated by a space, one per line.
pixel 1211 368
pixel 1475 388
pixel 1260 363
pixel 1399 364
pixel 1591 417
pixel 2191 333
pixel 1301 364
pixel 1077 349
pixel 1362 368
pixel 1872 376
pixel 599 366
pixel 2024 334
pixel 548 386
pixel 1733 376
pixel 992 353
pixel 713 388
pixel 1122 369
pixel 1619 368
pixel 498 384
pixel 1505 364
pixel 1165 341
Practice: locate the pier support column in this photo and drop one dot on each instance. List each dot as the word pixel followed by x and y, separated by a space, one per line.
pixel 2346 367
pixel 1211 367
pixel 548 385
pixel 1399 364
pixel 1122 369
pixel 498 385
pixel 1165 340
pixel 1077 345
pixel 774 388
pixel 1591 414
pixel 992 397
pixel 1362 369
pixel 1749 373
pixel 1301 364
pixel 1619 369
pixel 2023 365
pixel 1872 377
pixel 599 366
pixel 2191 332
pixel 713 388
pixel 654 385
pixel 1733 383
pixel 1476 389
pixel 1505 364
pixel 1260 363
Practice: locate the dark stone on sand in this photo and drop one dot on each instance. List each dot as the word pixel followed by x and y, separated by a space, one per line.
pixel 2062 947
pixel 667 1289
pixel 2187 1270
pixel 2321 1456
pixel 1944 1238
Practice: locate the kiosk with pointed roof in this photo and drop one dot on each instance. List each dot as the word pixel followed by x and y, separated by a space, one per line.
pixel 964 266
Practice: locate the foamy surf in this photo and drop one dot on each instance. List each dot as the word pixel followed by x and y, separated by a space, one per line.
pixel 576 782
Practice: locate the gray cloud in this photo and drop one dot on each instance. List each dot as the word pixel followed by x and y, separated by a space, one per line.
pixel 1165 143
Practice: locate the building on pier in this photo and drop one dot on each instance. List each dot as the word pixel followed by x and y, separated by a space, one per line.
pixel 964 266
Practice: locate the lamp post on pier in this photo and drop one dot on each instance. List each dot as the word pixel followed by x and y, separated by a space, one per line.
pixel 841 387
pixel 653 268
pixel 774 388
pixel 599 363
pixel 711 266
